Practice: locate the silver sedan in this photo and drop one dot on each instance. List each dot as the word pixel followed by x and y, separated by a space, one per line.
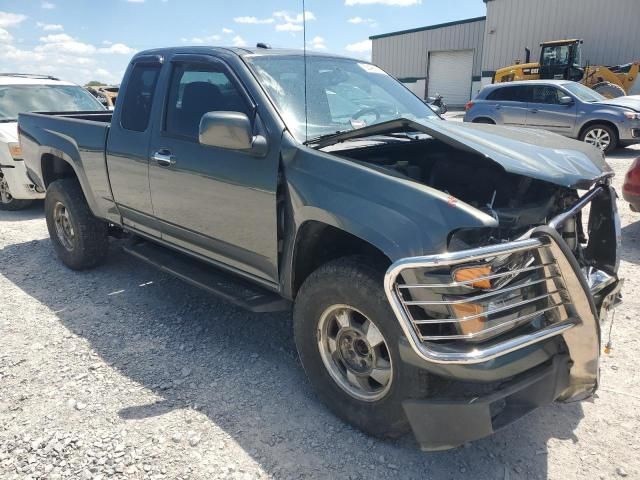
pixel 560 106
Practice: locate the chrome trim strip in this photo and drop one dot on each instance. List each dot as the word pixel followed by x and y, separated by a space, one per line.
pixel 465 283
pixel 503 308
pixel 479 297
pixel 492 329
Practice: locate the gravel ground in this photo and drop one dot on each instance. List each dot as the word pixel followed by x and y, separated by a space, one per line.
pixel 125 372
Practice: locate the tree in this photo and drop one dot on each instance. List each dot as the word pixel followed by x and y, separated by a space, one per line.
pixel 94 83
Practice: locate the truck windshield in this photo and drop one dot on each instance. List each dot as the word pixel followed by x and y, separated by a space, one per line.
pixel 15 99
pixel 341 94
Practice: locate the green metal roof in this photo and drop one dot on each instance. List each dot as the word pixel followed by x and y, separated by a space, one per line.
pixel 430 27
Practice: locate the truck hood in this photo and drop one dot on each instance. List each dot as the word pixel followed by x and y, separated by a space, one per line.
pixel 529 152
pixel 9 132
pixel 630 101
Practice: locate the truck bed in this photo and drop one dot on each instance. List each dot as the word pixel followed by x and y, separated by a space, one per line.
pixel 80 139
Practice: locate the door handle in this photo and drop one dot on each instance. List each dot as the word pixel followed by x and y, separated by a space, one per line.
pixel 498 107
pixel 164 158
pixel 534 110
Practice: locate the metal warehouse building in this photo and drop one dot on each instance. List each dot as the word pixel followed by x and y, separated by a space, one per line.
pixel 455 59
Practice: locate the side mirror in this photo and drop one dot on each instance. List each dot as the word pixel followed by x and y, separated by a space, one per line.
pixel 566 100
pixel 230 130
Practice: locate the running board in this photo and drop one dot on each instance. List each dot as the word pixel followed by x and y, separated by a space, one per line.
pixel 214 280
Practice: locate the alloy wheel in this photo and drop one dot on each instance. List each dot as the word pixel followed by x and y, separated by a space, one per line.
pixel 355 353
pixel 599 138
pixel 64 227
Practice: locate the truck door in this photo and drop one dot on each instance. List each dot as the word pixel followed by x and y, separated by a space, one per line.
pixel 128 145
pixel 215 202
pixel 546 110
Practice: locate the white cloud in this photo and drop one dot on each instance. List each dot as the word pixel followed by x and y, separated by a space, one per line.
pixel 359 47
pixel 11 19
pixel 50 27
pixel 118 49
pixel 48 5
pixel 283 14
pixel 318 43
pixel 289 27
pixel 360 20
pixel 61 42
pixel 227 30
pixel 394 3
pixel 5 37
pixel 238 41
pixel 201 40
pixel 253 20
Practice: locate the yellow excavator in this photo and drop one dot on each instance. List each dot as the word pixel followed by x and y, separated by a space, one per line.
pixel 562 59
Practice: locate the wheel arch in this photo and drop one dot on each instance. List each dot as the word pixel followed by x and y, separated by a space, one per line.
pixel 591 123
pixel 484 119
pixel 318 242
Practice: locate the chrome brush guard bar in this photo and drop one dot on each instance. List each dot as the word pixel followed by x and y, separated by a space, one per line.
pixel 569 311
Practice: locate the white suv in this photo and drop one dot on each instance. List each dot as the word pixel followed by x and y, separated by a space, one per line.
pixel 21 93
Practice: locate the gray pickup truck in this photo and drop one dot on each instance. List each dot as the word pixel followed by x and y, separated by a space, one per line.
pixel 446 278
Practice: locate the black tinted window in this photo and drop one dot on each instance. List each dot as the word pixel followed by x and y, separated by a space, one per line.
pixel 510 94
pixel 545 94
pixel 196 90
pixel 138 98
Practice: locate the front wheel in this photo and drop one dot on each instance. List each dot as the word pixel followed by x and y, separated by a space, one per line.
pixel 600 136
pixel 79 238
pixel 7 201
pixel 347 338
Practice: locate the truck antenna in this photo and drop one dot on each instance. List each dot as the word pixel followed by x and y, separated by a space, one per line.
pixel 304 55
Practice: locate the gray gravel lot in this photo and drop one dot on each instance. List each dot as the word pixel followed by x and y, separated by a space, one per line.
pixel 125 372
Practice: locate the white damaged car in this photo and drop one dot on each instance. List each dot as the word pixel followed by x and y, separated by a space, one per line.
pixel 21 93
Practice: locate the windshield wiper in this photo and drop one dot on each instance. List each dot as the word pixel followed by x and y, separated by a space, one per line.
pixel 398 125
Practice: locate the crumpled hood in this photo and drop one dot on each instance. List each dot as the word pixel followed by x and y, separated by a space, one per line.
pixel 631 101
pixel 9 132
pixel 530 152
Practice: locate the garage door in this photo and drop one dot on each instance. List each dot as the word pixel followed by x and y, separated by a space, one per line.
pixel 450 75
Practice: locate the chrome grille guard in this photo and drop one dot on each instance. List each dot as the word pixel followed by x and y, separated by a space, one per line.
pixel 544 297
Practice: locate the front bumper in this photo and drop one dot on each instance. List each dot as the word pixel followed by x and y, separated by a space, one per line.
pixel 20 186
pixel 576 299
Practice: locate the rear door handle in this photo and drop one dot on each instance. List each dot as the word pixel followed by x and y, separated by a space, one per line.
pixel 534 110
pixel 164 158
pixel 498 107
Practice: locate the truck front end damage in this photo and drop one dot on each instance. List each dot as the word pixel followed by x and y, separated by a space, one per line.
pixel 546 290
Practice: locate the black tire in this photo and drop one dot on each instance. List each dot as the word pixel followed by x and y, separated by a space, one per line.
pixel 486 121
pixel 353 281
pixel 609 90
pixel 7 202
pixel 594 128
pixel 89 245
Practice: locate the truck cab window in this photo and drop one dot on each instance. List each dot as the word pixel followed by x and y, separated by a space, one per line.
pixel 139 97
pixel 196 90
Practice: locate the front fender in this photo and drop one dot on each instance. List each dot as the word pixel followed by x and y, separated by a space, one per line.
pixel 398 216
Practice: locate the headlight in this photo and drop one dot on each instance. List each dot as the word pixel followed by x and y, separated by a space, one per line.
pixel 15 150
pixel 632 115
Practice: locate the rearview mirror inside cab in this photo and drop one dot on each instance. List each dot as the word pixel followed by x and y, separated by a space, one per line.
pixel 230 130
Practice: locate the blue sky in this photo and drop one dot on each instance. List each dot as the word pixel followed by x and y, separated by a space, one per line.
pixel 82 40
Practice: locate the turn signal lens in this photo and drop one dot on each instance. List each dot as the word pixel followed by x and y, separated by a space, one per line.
pixel 472 273
pixel 15 150
pixel 632 115
pixel 473 325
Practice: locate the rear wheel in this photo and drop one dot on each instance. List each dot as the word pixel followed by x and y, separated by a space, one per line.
pixel 7 201
pixel 80 240
pixel 600 136
pixel 609 90
pixel 347 338
pixel 487 121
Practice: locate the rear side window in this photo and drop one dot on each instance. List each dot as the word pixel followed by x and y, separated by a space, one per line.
pixel 138 98
pixel 196 90
pixel 510 94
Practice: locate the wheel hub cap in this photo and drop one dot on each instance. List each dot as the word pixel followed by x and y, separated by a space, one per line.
pixel 64 227
pixel 355 353
pixel 599 138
